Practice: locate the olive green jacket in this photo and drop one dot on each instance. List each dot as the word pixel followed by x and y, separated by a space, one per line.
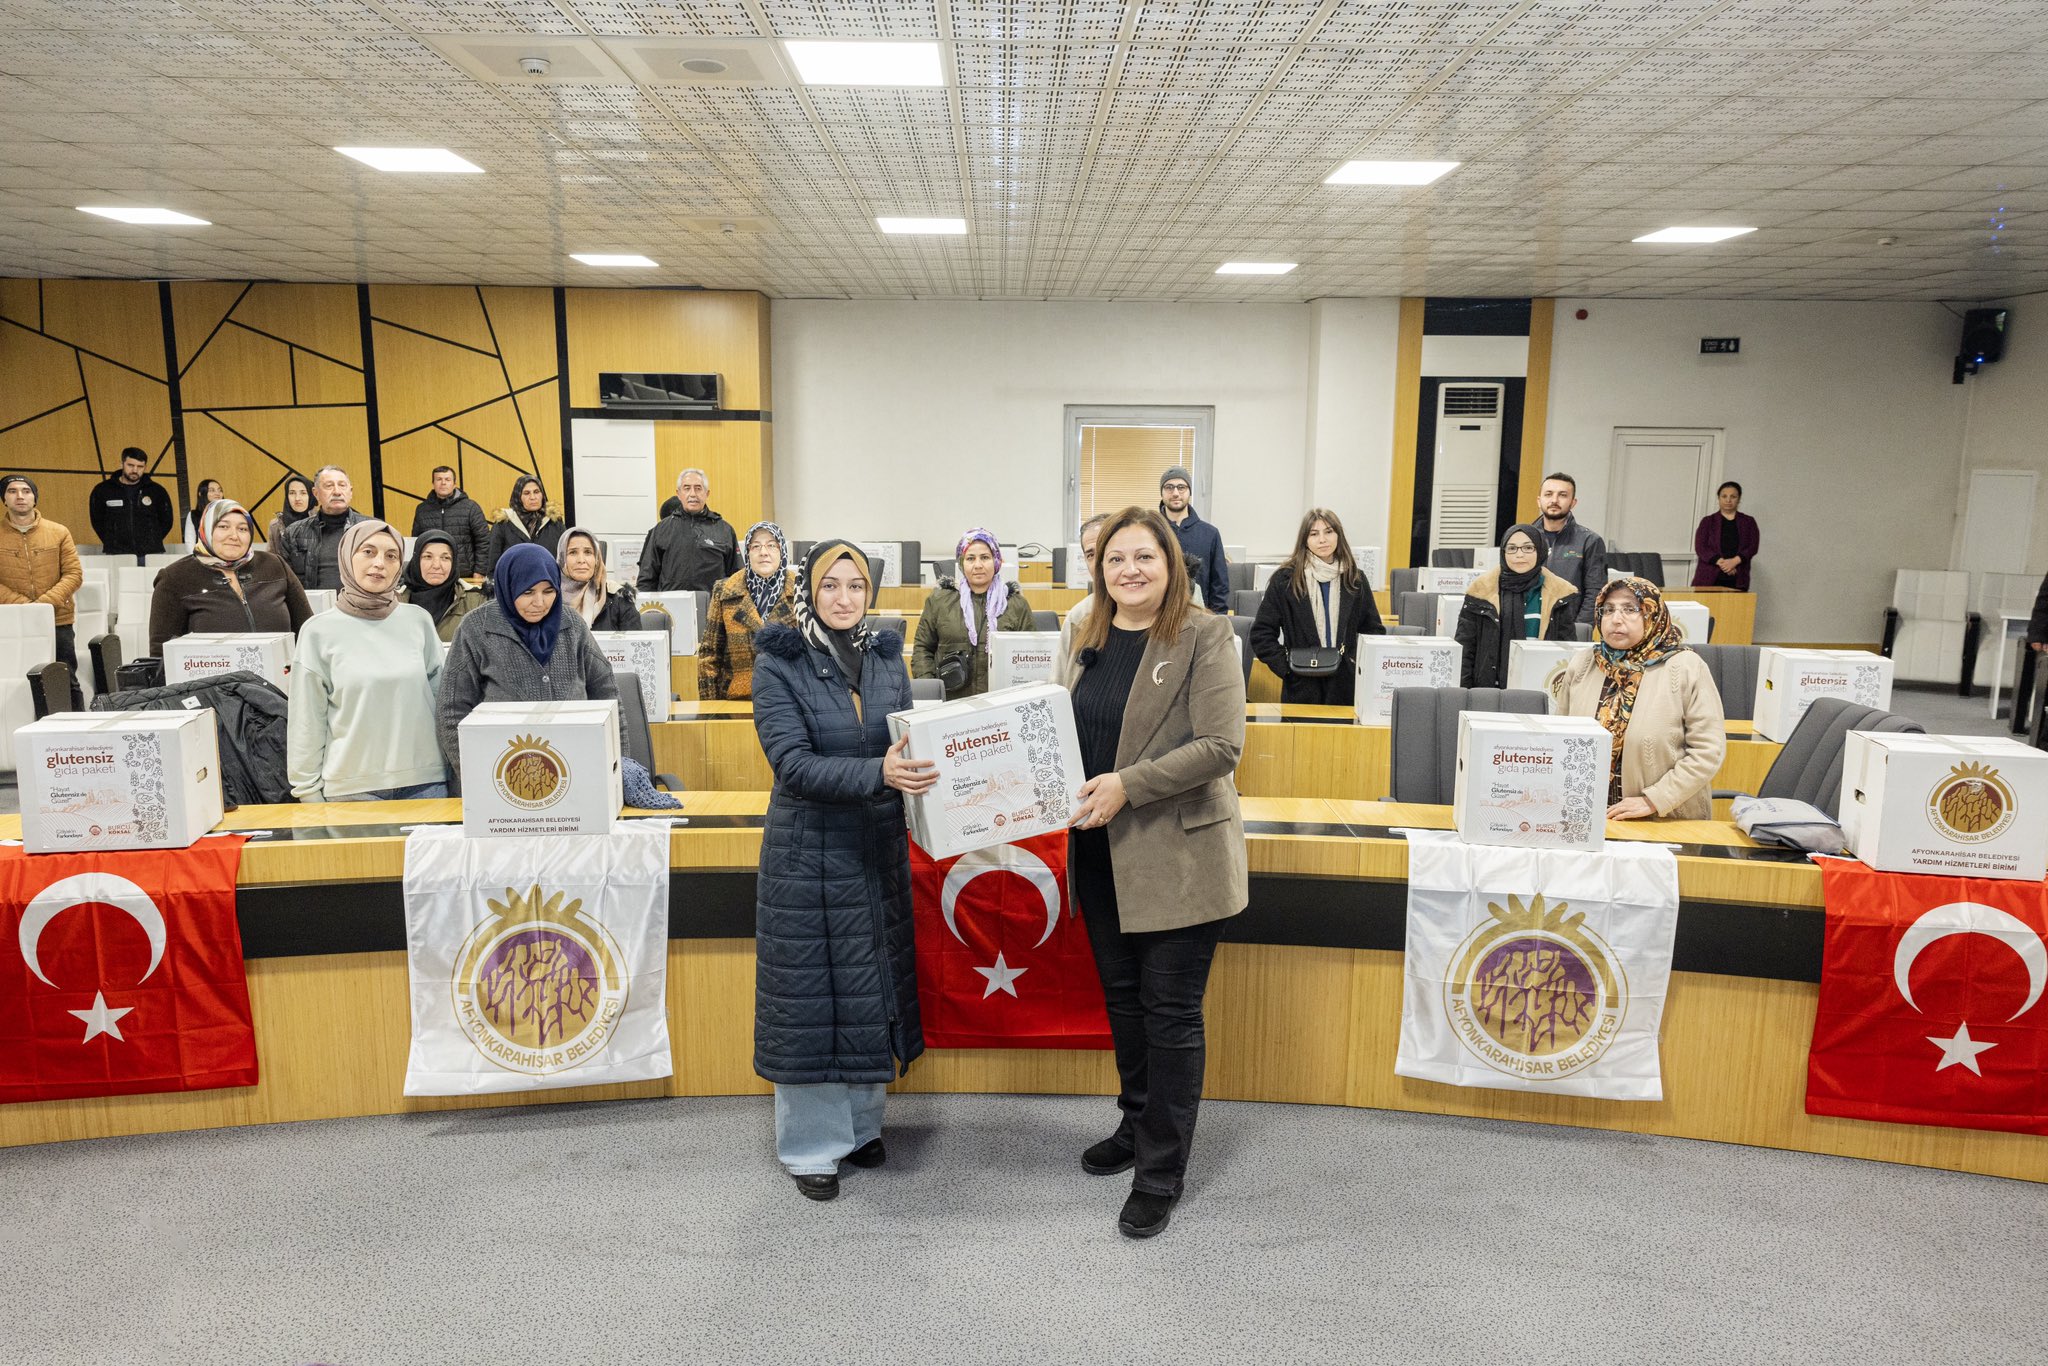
pixel 942 631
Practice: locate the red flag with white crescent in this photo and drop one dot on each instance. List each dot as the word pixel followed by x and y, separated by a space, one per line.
pixel 122 973
pixel 1933 1001
pixel 1003 959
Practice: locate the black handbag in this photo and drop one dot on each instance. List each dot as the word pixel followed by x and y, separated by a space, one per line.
pixel 1314 661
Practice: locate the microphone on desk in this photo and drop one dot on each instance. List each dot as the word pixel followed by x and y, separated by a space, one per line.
pixel 1086 659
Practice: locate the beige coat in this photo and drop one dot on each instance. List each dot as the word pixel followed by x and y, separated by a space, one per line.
pixel 1677 733
pixel 1178 847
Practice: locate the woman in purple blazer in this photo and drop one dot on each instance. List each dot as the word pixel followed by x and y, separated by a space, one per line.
pixel 1725 543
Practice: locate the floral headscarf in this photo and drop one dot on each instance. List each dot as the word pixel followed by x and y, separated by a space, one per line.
pixel 1624 669
pixel 765 592
pixel 998 591
pixel 211 518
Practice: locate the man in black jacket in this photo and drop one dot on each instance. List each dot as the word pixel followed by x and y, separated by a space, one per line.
pixel 692 549
pixel 131 513
pixel 449 509
pixel 312 545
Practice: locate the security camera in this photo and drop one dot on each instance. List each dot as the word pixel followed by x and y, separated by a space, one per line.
pixel 535 66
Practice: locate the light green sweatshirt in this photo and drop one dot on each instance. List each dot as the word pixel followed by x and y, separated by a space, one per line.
pixel 362 705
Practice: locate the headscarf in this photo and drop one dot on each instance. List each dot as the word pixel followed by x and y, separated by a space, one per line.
pixel 588 598
pixel 1624 669
pixel 519 569
pixel 285 514
pixel 846 646
pixel 532 521
pixel 998 591
pixel 436 598
pixel 208 520
pixel 353 598
pixel 1514 592
pixel 765 592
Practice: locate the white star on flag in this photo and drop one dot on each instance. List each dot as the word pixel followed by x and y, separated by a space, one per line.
pixel 1001 977
pixel 1960 1050
pixel 100 1020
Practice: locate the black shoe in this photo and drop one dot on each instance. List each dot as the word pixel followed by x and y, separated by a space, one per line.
pixel 1108 1157
pixel 869 1154
pixel 824 1187
pixel 1145 1214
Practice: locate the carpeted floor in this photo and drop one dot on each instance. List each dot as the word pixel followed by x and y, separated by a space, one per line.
pixel 662 1231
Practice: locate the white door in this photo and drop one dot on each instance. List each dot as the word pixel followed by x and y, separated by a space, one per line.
pixel 1660 483
pixel 1998 522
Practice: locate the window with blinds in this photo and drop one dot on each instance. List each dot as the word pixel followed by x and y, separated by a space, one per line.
pixel 1120 466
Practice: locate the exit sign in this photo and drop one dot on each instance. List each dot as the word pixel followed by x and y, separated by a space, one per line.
pixel 1720 346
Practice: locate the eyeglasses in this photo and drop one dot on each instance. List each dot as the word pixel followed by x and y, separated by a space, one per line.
pixel 1621 610
pixel 1175 487
pixel 1518 549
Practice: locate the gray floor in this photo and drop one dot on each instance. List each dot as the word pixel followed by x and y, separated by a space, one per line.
pixel 661 1231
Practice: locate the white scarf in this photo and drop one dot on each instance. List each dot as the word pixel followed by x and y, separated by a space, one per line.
pixel 1319 573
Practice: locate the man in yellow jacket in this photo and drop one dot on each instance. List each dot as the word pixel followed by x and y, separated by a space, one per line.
pixel 39 563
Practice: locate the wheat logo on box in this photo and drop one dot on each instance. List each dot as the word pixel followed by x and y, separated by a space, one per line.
pixel 531 774
pixel 538 986
pixel 1971 804
pixel 1533 992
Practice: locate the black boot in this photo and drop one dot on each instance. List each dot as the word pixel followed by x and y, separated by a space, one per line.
pixel 1145 1214
pixel 825 1187
pixel 869 1154
pixel 1109 1157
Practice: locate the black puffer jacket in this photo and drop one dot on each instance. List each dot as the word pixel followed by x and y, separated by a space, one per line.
pixel 249 713
pixel 835 986
pixel 468 529
pixel 688 552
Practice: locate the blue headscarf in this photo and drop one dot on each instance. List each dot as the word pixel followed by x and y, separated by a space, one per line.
pixel 519 569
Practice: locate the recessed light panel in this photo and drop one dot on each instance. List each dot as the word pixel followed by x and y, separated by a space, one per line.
pixel 1389 172
pixel 168 217
pixel 438 159
pixel 598 258
pixel 831 63
pixel 1692 234
pixel 1255 267
pixel 944 227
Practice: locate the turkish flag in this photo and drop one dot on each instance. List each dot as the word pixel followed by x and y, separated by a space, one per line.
pixel 122 973
pixel 1932 1006
pixel 1003 960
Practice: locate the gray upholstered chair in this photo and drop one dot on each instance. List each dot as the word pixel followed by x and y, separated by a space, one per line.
pixel 1243 627
pixel 1241 576
pixel 1734 668
pixel 927 690
pixel 1244 602
pixel 1809 768
pixel 638 737
pixel 1417 609
pixel 1425 735
pixel 1448 557
pixel 1406 630
pixel 1401 581
pixel 1044 621
pixel 886 621
pixel 1582 631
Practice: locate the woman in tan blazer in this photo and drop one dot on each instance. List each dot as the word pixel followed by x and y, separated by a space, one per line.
pixel 1157 855
pixel 1657 698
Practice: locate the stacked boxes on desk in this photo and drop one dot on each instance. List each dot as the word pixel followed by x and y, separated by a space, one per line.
pixel 1534 664
pixel 1019 657
pixel 1389 662
pixel 1531 781
pixel 645 655
pixel 268 653
pixel 1009 767
pixel 118 780
pixel 1790 681
pixel 1959 805
pixel 540 768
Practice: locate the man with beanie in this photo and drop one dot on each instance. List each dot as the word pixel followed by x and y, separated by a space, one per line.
pixel 131 513
pixel 1201 544
pixel 39 563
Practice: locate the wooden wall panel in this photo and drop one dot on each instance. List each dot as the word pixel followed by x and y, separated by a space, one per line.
pixel 681 330
pixel 733 455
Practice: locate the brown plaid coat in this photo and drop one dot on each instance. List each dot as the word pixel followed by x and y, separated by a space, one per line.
pixel 725 649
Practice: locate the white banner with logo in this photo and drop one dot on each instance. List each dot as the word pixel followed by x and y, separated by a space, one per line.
pixel 536 963
pixel 1537 969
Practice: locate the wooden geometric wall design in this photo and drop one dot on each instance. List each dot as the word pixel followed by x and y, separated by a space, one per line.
pixel 466 376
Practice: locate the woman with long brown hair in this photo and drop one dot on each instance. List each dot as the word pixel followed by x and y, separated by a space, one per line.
pixel 1157 856
pixel 1316 607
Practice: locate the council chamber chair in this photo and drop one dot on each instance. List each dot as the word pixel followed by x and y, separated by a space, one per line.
pixel 28 641
pixel 1451 557
pixel 1809 768
pixel 1930 633
pixel 1243 627
pixel 1042 620
pixel 1424 738
pixel 639 738
pixel 1735 669
pixel 1417 609
pixel 1244 602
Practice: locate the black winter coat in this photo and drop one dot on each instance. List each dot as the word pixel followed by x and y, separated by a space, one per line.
pixel 131 519
pixel 621 610
pixel 835 982
pixel 1287 621
pixel 248 713
pixel 2037 627
pixel 688 552
pixel 463 519
pixel 1478 628
pixel 507 531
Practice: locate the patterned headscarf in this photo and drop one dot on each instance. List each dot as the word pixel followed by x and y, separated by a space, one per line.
pixel 998 591
pixel 208 520
pixel 1624 669
pixel 353 598
pixel 846 646
pixel 765 592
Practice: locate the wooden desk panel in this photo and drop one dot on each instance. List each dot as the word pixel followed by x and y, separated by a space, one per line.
pixel 1734 613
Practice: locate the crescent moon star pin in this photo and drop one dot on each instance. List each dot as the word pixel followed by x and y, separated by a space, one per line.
pixel 1157 669
pixel 90 889
pixel 1007 858
pixel 1973 917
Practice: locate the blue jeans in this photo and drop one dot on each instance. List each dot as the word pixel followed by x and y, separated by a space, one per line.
pixel 416 792
pixel 817 1124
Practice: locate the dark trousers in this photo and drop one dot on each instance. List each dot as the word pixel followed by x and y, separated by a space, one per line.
pixel 67 653
pixel 1153 985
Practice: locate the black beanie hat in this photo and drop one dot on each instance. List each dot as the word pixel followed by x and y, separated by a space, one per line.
pixel 13 479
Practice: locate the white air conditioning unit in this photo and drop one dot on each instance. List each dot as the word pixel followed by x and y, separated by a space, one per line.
pixel 1466 477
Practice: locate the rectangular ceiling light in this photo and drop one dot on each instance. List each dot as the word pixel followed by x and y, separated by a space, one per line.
pixel 1692 234
pixel 598 258
pixel 1390 172
pixel 1255 267
pixel 945 227
pixel 163 216
pixel 863 63
pixel 411 159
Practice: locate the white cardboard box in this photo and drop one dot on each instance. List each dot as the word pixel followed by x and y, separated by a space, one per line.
pixel 1009 768
pixel 268 653
pixel 684 628
pixel 1692 618
pixel 1455 582
pixel 540 768
pixel 1531 781
pixel 1534 663
pixel 1790 681
pixel 1947 804
pixel 646 654
pixel 320 600
pixel 885 559
pixel 1447 608
pixel 1389 662
pixel 1372 562
pixel 118 780
pixel 1019 657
